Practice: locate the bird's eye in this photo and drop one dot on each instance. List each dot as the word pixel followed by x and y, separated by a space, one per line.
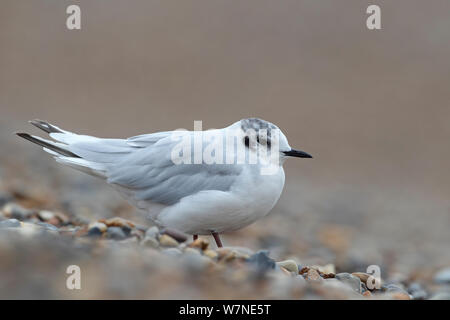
pixel 247 141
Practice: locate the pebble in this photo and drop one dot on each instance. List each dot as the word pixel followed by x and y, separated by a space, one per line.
pixel 98 225
pixel 115 233
pixel 17 212
pixel 313 275
pixel 47 226
pixel 150 242
pixel 351 280
pixel 289 265
pixel 177 235
pixel 167 241
pixel 226 254
pixel 46 215
pixel 117 222
pixel 201 243
pixel 94 232
pixel 442 276
pixel 10 223
pixel 262 261
pixel 327 269
pixel 152 232
pixel 367 294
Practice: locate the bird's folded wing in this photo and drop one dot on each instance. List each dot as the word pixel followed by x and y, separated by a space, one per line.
pixel 143 166
pixel 152 176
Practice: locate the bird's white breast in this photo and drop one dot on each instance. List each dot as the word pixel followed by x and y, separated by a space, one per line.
pixel 251 197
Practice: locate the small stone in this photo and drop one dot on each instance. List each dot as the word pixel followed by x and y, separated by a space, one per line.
pixel 94 232
pixel 167 241
pixel 201 243
pixel 115 233
pixel 99 225
pixel 117 222
pixel 177 235
pixel 210 253
pixel 127 230
pixel 47 226
pixel 442 276
pixel 10 223
pixel 351 280
pixel 313 275
pixel 327 269
pixel 45 215
pixel 136 233
pixel 15 211
pixel 289 265
pixel 152 232
pixel 262 261
pixel 367 294
pixel 226 255
pixel 150 242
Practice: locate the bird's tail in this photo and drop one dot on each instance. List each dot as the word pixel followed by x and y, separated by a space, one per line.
pixel 85 153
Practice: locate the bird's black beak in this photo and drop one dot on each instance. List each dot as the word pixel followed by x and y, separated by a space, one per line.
pixel 297 153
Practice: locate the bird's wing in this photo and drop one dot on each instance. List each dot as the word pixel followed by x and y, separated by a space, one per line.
pixel 140 166
pixel 152 176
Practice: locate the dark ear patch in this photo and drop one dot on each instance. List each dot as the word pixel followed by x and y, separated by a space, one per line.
pixel 247 141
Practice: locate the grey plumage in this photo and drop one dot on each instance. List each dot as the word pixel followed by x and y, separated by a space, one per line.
pixel 140 165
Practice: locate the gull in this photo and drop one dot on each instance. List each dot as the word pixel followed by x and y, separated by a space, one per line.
pixel 167 174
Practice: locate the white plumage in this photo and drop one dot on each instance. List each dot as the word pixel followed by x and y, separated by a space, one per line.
pixel 194 198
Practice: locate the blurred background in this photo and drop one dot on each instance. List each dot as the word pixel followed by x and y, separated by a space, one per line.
pixel 372 107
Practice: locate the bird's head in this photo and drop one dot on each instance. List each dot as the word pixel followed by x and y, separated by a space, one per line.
pixel 257 133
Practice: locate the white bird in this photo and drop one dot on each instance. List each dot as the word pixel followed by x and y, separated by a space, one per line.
pixel 199 198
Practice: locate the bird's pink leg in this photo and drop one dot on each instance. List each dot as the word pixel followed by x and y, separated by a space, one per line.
pixel 195 236
pixel 217 238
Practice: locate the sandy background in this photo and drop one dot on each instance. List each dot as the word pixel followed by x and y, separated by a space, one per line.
pixel 373 107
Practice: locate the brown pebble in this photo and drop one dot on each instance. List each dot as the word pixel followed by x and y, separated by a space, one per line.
pixel 303 270
pixel 177 235
pixel 167 241
pixel 367 294
pixel 313 275
pixel 200 243
pixel 117 222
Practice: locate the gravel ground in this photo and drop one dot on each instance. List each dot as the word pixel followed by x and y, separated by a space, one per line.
pixel 52 217
pixel 121 259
